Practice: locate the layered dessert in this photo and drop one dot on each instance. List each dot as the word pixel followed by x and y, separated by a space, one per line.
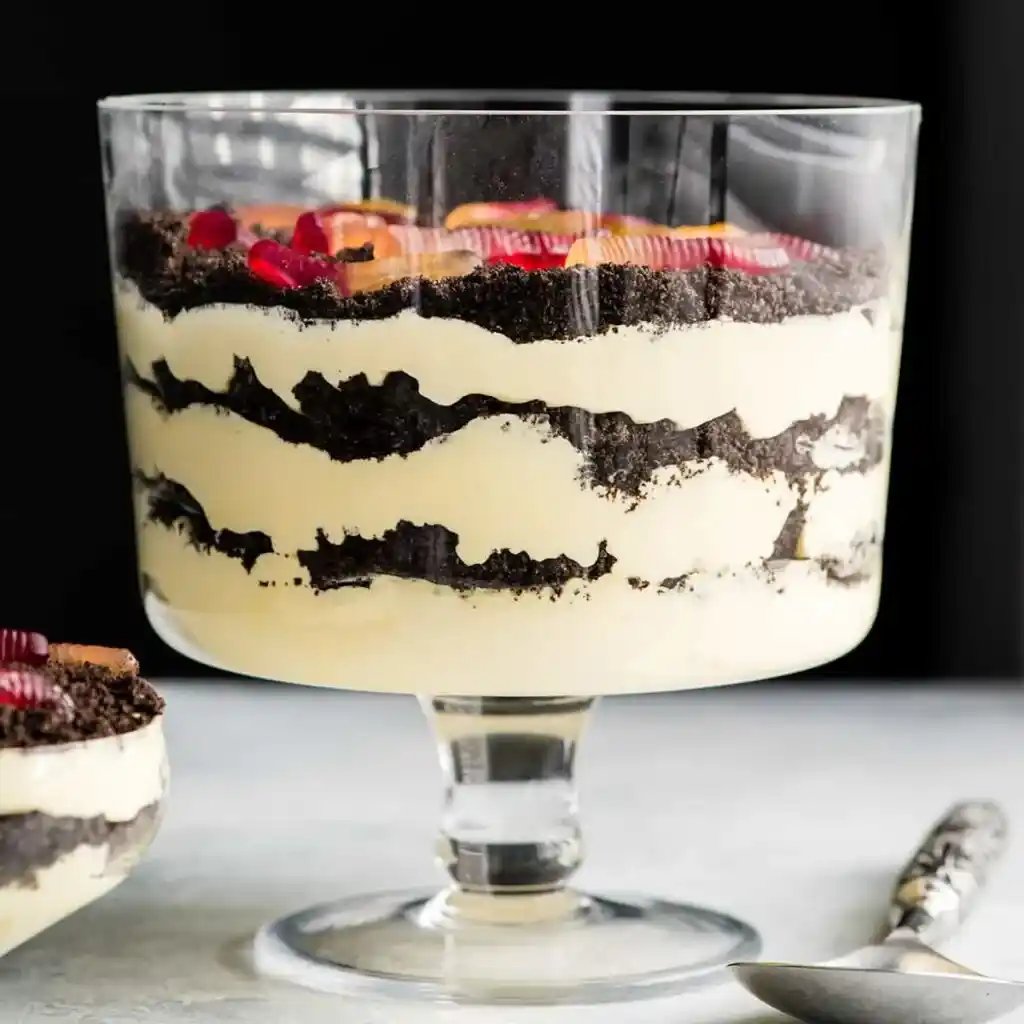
pixel 528 451
pixel 82 777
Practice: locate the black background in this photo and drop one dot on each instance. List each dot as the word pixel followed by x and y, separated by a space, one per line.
pixel 952 593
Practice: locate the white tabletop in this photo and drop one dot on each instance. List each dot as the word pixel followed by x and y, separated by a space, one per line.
pixel 791 806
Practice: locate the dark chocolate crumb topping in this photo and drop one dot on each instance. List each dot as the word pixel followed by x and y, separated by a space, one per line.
pixel 105 704
pixel 525 306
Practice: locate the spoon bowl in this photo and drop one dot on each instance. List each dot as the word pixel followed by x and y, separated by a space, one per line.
pixel 830 994
pixel 902 980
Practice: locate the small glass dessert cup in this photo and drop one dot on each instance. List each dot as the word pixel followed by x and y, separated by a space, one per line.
pixel 509 403
pixel 83 775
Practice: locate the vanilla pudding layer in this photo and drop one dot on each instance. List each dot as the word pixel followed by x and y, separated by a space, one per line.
pixel 411 636
pixel 76 880
pixel 111 777
pixel 770 374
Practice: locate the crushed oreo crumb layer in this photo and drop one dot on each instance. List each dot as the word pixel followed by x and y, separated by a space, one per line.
pixel 29 843
pixel 408 551
pixel 173 505
pixel 525 306
pixel 357 420
pixel 105 704
pixel 430 553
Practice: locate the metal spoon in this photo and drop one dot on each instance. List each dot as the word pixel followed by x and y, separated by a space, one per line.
pixel 900 980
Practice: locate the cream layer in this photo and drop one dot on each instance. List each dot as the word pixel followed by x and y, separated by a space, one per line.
pixel 113 776
pixel 771 374
pixel 79 878
pixel 411 636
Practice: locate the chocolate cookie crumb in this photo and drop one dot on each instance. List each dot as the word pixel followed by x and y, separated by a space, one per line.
pixel 360 254
pixel 105 704
pixel 30 843
pixel 355 419
pixel 525 306
pixel 430 552
pixel 172 505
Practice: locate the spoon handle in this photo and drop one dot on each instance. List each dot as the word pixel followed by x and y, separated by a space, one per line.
pixel 937 885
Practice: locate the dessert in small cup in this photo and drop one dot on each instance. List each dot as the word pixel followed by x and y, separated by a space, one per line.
pixel 509 407
pixel 83 774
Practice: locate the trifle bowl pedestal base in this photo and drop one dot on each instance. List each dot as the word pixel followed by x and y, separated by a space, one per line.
pixel 417 946
pixel 509 928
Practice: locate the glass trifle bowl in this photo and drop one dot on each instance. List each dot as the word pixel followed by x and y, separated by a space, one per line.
pixel 509 402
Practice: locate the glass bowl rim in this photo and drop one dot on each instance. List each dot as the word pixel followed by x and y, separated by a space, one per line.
pixel 692 104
